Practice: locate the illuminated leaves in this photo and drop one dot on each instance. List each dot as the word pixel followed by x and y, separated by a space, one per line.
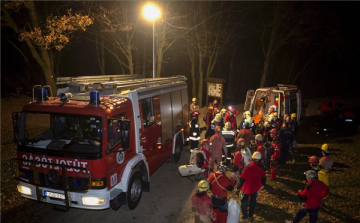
pixel 57 30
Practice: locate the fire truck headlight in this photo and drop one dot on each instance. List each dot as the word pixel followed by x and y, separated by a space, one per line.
pixel 24 190
pixel 93 200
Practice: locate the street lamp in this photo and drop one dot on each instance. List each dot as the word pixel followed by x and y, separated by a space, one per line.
pixel 151 12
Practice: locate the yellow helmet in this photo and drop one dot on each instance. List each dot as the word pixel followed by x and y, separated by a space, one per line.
pixel 194 100
pixel 293 115
pixel 324 147
pixel 203 185
pixel 227 125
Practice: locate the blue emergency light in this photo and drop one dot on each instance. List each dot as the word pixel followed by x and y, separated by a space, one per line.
pixel 94 97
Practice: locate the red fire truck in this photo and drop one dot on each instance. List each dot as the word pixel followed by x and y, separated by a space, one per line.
pixel 95 145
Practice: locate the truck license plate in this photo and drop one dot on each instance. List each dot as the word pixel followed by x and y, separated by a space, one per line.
pixel 54 195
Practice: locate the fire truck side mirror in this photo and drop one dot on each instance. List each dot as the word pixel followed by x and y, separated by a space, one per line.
pixel 16 120
pixel 125 128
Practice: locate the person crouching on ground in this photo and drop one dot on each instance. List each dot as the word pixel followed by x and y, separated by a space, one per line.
pixel 201 204
pixel 312 195
pixel 252 180
pixel 220 184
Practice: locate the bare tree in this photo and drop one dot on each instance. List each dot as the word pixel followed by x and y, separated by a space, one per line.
pixel 42 35
pixel 214 25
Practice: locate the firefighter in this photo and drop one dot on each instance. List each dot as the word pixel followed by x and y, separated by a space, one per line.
pixel 252 179
pixel 246 134
pixel 246 116
pixel 220 184
pixel 326 161
pixel 201 204
pixel 194 106
pixel 286 138
pixel 229 136
pixel 259 146
pixel 218 147
pixel 312 195
pixel 276 155
pixel 323 175
pixel 231 117
pixel 205 148
pixel 194 134
pixel 208 118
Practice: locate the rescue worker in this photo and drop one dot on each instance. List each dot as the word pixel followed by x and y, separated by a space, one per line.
pixel 323 175
pixel 246 134
pixel 205 148
pixel 201 204
pixel 238 162
pixel 194 106
pixel 312 195
pixel 220 184
pixel 231 117
pixel 292 123
pixel 194 133
pixel 246 116
pixel 259 146
pixel 208 118
pixel 326 161
pixel 229 136
pixel 276 156
pixel 266 133
pixel 245 151
pixel 218 147
pixel 216 105
pixel 252 179
pixel 286 138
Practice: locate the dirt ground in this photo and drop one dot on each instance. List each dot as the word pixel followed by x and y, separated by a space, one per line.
pixel 277 202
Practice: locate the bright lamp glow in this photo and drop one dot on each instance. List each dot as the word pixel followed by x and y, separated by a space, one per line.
pixel 93 200
pixel 151 12
pixel 24 190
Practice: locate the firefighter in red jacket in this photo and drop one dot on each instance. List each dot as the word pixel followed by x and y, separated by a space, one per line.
pixel 220 184
pixel 202 205
pixel 252 179
pixel 312 195
pixel 231 117
pixel 259 145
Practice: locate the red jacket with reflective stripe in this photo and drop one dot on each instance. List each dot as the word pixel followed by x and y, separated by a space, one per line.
pixel 313 193
pixel 252 176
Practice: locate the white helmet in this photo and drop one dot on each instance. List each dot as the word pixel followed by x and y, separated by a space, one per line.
pixel 259 137
pixel 256 156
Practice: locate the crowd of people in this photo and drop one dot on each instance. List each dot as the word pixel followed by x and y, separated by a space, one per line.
pixel 248 150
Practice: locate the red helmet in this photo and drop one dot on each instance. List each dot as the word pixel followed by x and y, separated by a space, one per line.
pixel 233 110
pixel 241 142
pixel 313 160
pixel 205 142
pixel 194 114
pixel 273 131
pixel 218 129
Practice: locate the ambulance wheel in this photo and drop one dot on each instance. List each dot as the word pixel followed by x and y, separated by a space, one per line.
pixel 178 149
pixel 134 191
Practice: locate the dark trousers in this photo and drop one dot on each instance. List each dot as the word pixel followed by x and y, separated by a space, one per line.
pixel 248 200
pixel 284 153
pixel 302 212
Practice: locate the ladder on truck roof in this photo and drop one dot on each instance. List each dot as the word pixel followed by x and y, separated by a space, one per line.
pixel 114 84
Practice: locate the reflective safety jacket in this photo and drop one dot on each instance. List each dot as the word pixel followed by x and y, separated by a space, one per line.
pixel 229 136
pixel 194 133
pixel 313 193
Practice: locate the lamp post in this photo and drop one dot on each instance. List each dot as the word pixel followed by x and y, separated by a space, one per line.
pixel 151 12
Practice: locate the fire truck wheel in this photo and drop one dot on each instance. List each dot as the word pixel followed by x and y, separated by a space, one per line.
pixel 134 192
pixel 178 149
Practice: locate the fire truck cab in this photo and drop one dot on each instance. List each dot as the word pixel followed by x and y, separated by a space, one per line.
pixel 284 99
pixel 95 145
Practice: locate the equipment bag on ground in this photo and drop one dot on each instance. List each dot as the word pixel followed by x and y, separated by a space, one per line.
pixel 233 212
pixel 189 170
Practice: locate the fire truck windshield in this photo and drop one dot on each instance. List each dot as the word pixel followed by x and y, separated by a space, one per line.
pixel 73 133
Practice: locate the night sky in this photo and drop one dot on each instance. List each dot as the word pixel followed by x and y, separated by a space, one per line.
pixel 333 71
